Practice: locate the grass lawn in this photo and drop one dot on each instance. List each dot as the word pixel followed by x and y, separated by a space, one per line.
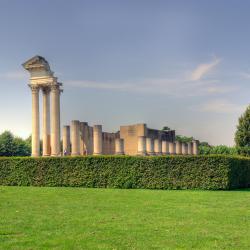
pixel 78 218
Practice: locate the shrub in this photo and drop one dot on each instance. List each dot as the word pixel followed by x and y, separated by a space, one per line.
pixel 163 172
pixel 245 151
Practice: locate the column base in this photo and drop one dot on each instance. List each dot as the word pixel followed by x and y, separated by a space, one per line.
pixel 35 155
pixel 97 154
pixel 53 155
pixel 150 153
pixel 47 155
pixel 141 154
pixel 119 153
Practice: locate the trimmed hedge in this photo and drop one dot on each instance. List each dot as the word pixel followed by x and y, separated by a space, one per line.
pixel 163 172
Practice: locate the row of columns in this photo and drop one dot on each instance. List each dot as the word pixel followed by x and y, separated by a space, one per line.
pixel 149 146
pixel 72 140
pixel 51 125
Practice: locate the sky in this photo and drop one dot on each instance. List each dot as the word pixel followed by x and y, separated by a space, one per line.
pixel 182 64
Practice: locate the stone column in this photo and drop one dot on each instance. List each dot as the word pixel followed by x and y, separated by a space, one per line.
pixel 172 148
pixel 46 121
pixel 190 148
pixel 66 140
pixel 178 148
pixel 165 147
pixel 119 146
pixel 157 147
pixel 184 148
pixel 141 145
pixel 55 120
pixel 97 138
pixel 35 121
pixel 75 137
pixel 83 138
pixel 195 147
pixel 150 146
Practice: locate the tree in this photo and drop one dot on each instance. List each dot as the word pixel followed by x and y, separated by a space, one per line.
pixel 182 138
pixel 166 128
pixel 242 135
pixel 14 146
pixel 7 145
pixel 22 147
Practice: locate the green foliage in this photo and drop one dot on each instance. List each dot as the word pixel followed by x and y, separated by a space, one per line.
pixel 171 172
pixel 7 145
pixel 242 135
pixel 14 146
pixel 166 128
pixel 221 149
pixel 182 138
pixel 245 151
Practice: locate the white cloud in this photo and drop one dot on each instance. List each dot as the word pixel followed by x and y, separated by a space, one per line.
pixel 203 69
pixel 179 87
pixel 221 106
pixel 185 85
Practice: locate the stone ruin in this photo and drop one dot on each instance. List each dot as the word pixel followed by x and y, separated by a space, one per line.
pixel 79 138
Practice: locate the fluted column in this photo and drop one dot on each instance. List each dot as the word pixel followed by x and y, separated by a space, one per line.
pixel 190 148
pixel 184 148
pixel 55 120
pixel 157 147
pixel 172 148
pixel 178 148
pixel 75 137
pixel 97 139
pixel 66 140
pixel 119 146
pixel 150 146
pixel 46 121
pixel 195 147
pixel 141 145
pixel 35 122
pixel 165 147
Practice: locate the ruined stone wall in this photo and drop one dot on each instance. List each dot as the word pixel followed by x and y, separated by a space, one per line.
pixel 130 135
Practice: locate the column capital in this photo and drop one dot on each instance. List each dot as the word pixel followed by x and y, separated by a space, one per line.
pixel 55 87
pixel 34 88
pixel 46 90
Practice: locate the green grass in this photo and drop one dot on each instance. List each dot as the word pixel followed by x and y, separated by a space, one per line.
pixel 77 218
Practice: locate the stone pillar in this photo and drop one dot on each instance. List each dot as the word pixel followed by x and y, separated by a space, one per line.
pixel 184 148
pixel 172 148
pixel 35 121
pixel 90 141
pixel 178 148
pixel 83 138
pixel 141 145
pixel 97 138
pixel 55 120
pixel 150 146
pixel 195 147
pixel 66 140
pixel 75 137
pixel 119 146
pixel 46 121
pixel 165 147
pixel 190 148
pixel 157 147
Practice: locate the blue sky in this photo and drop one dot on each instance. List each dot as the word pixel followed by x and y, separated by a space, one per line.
pixel 184 64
